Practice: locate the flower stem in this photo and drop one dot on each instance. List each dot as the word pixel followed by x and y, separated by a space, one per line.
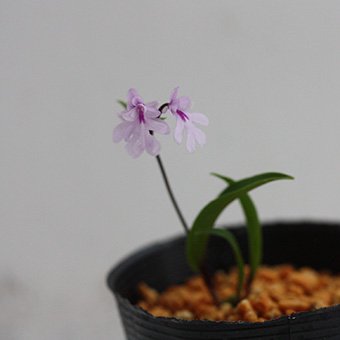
pixel 203 269
pixel 171 194
pixel 162 107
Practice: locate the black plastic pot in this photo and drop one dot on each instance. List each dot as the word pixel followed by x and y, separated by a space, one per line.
pixel 299 243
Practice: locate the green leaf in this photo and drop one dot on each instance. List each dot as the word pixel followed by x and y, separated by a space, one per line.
pixel 230 238
pixel 253 227
pixel 122 103
pixel 204 222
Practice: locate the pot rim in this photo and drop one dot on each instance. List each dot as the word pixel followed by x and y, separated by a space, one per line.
pixel 168 242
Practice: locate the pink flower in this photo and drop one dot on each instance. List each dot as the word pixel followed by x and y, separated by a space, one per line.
pixel 139 121
pixel 185 121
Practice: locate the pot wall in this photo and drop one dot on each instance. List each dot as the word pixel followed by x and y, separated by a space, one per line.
pixel 314 244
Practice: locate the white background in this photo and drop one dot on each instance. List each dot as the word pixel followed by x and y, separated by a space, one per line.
pixel 266 73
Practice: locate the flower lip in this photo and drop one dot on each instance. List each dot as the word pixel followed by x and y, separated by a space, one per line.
pixel 140 109
pixel 182 115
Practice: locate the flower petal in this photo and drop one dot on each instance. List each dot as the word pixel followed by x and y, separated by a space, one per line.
pixel 131 130
pixel 191 145
pixel 132 93
pixel 184 103
pixel 199 118
pixel 136 145
pixel 123 131
pixel 152 145
pixel 153 104
pixel 173 95
pixel 199 136
pixel 129 115
pixel 195 136
pixel 179 130
pixel 152 112
pixel 158 126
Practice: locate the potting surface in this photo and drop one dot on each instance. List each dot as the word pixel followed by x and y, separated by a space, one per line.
pixel 275 291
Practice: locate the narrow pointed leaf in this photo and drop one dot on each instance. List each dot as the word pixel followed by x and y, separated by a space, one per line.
pixel 196 243
pixel 253 227
pixel 230 238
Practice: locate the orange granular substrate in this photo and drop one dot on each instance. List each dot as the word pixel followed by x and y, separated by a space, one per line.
pixel 275 291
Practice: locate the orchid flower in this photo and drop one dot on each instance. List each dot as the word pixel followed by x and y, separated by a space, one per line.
pixel 139 122
pixel 185 121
